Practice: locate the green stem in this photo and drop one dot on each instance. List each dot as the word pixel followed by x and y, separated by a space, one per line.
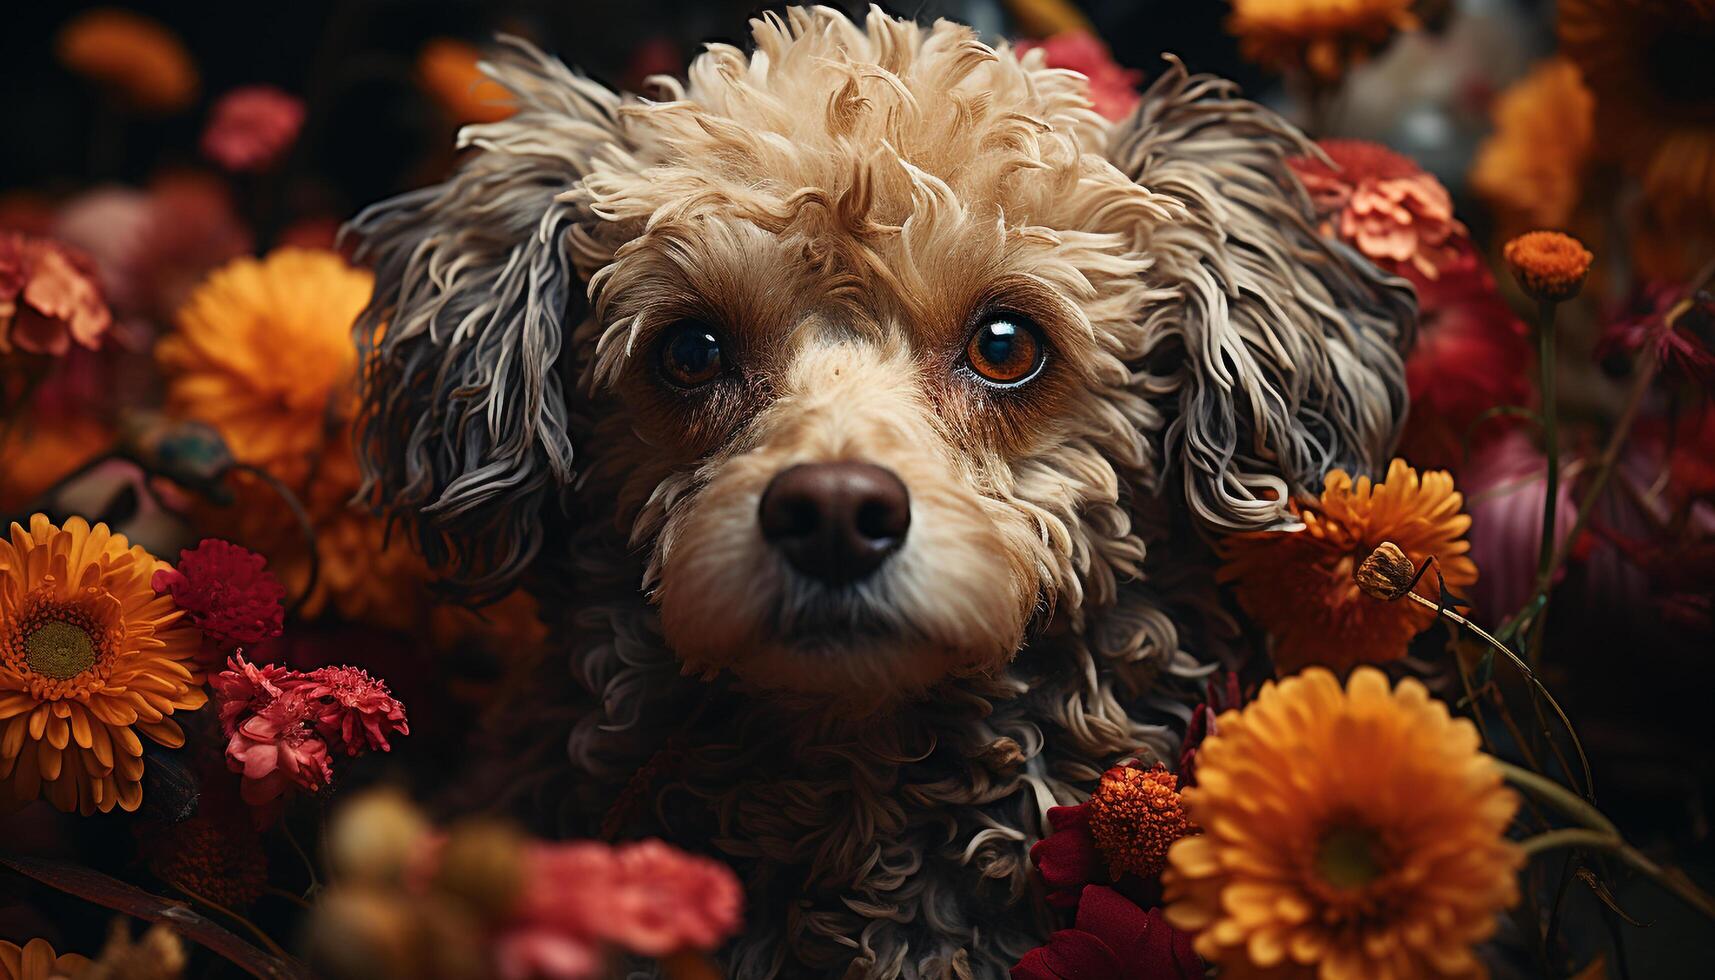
pixel 1597 840
pixel 1549 791
pixel 1550 432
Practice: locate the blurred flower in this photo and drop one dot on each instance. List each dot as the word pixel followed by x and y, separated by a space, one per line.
pixel 1113 939
pixel 1322 37
pixel 112 225
pixel 1222 693
pixel 1471 355
pixel 227 592
pixel 1299 585
pixel 1676 323
pixel 208 858
pixel 356 710
pixel 195 228
pixel 158 955
pixel 1386 207
pixel 251 128
pixel 89 657
pixel 134 56
pixel 447 70
pixel 1504 495
pixel 1550 266
pixel 1113 89
pixel 38 453
pixel 271 734
pixel 1531 168
pixel 1354 832
pixel 36 960
pixel 48 297
pixel 1135 816
pixel 1647 63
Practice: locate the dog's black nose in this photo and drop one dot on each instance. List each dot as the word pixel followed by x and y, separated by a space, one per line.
pixel 836 522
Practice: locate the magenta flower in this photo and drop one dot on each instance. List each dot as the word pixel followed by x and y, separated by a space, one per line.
pixel 227 591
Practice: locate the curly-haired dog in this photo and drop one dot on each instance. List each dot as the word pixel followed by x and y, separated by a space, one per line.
pixel 858 409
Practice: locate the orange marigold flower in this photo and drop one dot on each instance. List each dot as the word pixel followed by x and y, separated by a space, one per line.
pixel 36 960
pixel 1301 585
pixel 1354 832
pixel 1531 169
pixel 1135 816
pixel 1385 206
pixel 1548 265
pixel 1322 37
pixel 49 297
pixel 89 657
pixel 136 57
pixel 447 70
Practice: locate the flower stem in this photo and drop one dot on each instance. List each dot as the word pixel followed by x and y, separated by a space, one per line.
pixel 1597 840
pixel 254 929
pixel 1550 431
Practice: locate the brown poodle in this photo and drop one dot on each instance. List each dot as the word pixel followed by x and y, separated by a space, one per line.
pixel 860 410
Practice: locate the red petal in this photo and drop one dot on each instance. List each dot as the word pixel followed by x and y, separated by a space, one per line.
pixel 1071 954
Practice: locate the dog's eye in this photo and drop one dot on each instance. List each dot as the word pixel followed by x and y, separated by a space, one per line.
pixel 691 354
pixel 1006 350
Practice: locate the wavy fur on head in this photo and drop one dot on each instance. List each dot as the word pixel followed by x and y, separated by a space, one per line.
pixel 845 202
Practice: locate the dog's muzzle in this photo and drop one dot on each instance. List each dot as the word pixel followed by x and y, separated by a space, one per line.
pixel 835 522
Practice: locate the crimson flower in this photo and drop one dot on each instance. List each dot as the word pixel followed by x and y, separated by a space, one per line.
pixel 227 592
pixel 1221 694
pixel 1678 323
pixel 354 709
pixel 252 127
pixel 1112 939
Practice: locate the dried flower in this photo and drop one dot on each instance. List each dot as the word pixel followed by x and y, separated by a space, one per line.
pixel 1549 266
pixel 227 592
pixel 1299 585
pixel 447 70
pixel 1679 325
pixel 90 657
pixel 1348 833
pixel 1113 89
pixel 1322 37
pixel 1531 169
pixel 1386 207
pixel 1387 574
pixel 136 57
pixel 48 297
pixel 252 127
pixel 36 960
pixel 1134 817
pixel 1113 939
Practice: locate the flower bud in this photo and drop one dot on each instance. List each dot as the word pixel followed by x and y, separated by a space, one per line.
pixel 1548 265
pixel 1387 573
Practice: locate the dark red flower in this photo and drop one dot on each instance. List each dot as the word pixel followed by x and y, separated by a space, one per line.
pixel 1676 322
pixel 1221 694
pixel 1067 858
pixel 1113 939
pixel 227 592
pixel 354 709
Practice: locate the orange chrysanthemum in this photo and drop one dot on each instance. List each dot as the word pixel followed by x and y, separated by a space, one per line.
pixel 1348 834
pixel 36 960
pixel 1322 37
pixel 1135 816
pixel 89 657
pixel 1548 265
pixel 446 68
pixel 137 57
pixel 1531 169
pixel 1300 585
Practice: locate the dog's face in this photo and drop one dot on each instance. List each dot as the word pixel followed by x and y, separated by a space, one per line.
pixel 886 331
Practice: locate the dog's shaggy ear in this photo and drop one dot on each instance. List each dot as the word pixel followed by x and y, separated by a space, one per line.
pixel 463 432
pixel 1271 354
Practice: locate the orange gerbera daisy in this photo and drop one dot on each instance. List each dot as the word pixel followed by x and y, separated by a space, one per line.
pixel 89 657
pixel 1348 834
pixel 1322 37
pixel 36 960
pixel 1531 170
pixel 138 58
pixel 1299 585
pixel 446 68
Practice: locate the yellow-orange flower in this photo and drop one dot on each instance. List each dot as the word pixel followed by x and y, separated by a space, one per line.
pixel 36 960
pixel 138 58
pixel 446 68
pixel 89 657
pixel 1135 816
pixel 1348 833
pixel 1300 585
pixel 40 451
pixel 1549 265
pixel 1322 37
pixel 1531 169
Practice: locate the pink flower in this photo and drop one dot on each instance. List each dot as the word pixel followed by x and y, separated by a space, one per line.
pixel 545 954
pixel 277 748
pixel 243 689
pixel 48 297
pixel 671 901
pixel 354 709
pixel 251 128
pixel 1113 89
pixel 227 591
pixel 1504 493
pixel 1385 206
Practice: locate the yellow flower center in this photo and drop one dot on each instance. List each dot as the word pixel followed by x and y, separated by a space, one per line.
pixel 59 650
pixel 1349 857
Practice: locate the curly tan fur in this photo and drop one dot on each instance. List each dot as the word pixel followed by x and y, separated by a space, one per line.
pixel 846 201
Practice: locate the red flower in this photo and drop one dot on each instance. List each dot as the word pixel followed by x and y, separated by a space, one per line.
pixel 243 689
pixel 1113 89
pixel 1221 694
pixel 251 128
pixel 1678 324
pixel 354 709
pixel 277 748
pixel 1067 859
pixel 227 591
pixel 1386 207
pixel 48 297
pixel 1113 939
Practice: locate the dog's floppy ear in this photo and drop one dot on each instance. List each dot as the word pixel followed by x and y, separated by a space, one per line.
pixel 1273 354
pixel 463 431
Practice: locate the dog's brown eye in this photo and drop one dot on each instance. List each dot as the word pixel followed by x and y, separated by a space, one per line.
pixel 1005 350
pixel 691 354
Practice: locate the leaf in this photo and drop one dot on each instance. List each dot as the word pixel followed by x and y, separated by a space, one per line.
pixel 109 892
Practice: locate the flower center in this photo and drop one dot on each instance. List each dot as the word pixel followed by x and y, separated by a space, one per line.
pixel 1349 857
pixel 59 650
